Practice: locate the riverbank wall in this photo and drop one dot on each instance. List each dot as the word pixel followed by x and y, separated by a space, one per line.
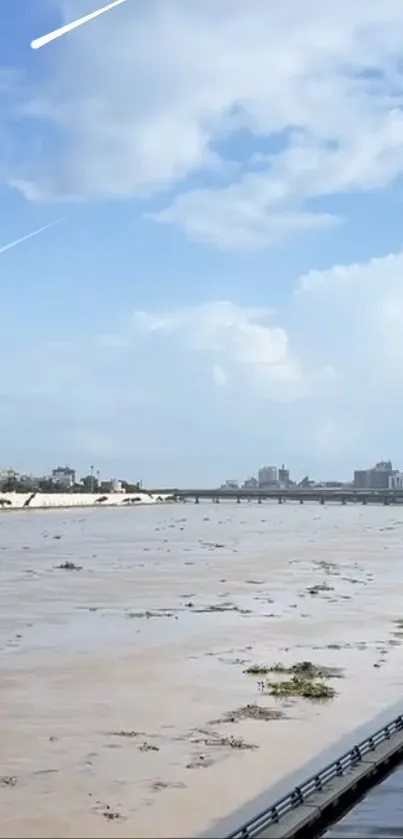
pixel 40 500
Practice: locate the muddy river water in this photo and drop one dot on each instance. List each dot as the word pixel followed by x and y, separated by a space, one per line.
pixel 124 639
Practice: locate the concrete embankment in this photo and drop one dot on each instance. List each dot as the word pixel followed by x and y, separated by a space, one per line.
pixel 41 500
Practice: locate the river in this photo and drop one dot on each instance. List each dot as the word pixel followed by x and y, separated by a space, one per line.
pixel 123 675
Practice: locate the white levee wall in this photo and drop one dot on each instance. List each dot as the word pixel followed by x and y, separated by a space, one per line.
pixel 40 500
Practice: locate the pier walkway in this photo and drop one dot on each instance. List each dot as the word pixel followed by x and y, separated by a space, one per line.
pixel 379 815
pixel 335 800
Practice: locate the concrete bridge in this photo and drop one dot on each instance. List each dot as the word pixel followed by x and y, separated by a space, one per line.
pixel 322 495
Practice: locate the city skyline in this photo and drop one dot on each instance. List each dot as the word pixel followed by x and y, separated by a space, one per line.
pixel 376 476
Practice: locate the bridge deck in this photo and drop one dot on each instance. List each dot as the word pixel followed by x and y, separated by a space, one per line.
pixel 300 494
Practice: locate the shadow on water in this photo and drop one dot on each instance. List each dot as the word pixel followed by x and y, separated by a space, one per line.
pixel 379 815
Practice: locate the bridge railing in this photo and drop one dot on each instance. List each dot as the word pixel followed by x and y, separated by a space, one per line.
pixel 316 783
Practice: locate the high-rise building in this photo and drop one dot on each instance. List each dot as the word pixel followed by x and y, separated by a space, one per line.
pixel 361 478
pixel 375 478
pixel 267 476
pixel 284 475
pixel 380 474
pixel 396 480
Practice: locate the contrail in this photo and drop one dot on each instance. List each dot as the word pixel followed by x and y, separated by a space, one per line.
pixel 29 236
pixel 57 33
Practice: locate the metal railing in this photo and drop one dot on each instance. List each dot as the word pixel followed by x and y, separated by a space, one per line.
pixel 316 783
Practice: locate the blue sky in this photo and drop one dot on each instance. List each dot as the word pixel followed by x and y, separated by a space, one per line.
pixel 225 286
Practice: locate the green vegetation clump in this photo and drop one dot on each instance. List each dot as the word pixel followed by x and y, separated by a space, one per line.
pixel 302 687
pixel 250 712
pixel 306 680
pixel 303 669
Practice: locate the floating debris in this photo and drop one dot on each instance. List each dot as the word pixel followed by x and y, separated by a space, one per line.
pixel 307 670
pixel 148 747
pixel 314 590
pixel 8 781
pixel 125 733
pixel 251 712
pixel 69 566
pixel 222 607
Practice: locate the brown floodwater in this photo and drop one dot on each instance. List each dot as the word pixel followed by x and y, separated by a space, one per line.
pixel 116 675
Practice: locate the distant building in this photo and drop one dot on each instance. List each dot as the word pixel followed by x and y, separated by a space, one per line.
pixel 284 475
pixel 375 478
pixel 230 484
pixel 267 476
pixel 396 480
pixel 111 486
pixel 64 477
pixel 361 479
pixel 380 474
pixel 250 483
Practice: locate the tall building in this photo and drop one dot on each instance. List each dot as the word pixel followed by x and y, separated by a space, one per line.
pixel 375 478
pixel 380 474
pixel 396 480
pixel 64 477
pixel 284 475
pixel 361 478
pixel 267 476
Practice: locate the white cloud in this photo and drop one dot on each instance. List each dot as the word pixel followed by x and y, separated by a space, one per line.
pixel 335 350
pixel 354 314
pixel 318 378
pixel 237 217
pixel 142 97
pixel 240 342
